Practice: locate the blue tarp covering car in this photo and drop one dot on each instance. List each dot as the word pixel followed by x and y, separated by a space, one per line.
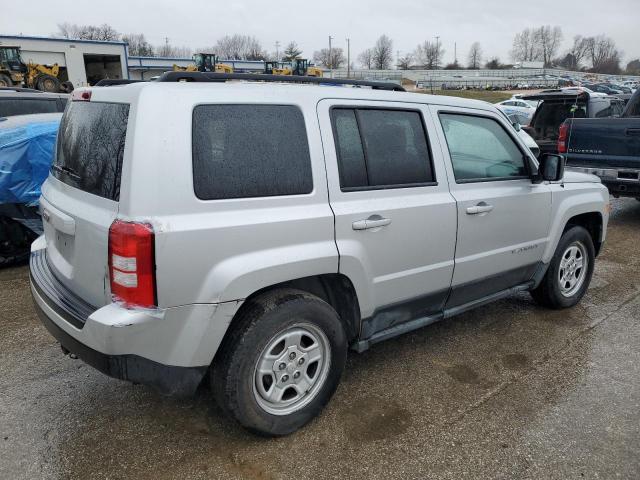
pixel 27 144
pixel 26 153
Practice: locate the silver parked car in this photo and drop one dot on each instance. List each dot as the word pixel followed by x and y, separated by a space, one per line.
pixel 248 233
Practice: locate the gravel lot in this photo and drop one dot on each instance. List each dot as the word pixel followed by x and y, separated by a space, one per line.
pixel 509 391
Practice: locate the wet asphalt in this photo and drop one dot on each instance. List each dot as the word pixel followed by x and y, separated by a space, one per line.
pixel 508 391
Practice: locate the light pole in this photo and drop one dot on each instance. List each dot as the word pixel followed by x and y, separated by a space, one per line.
pixel 437 51
pixel 348 58
pixel 330 59
pixel 277 50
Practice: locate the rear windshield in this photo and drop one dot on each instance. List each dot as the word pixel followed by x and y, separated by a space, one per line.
pixel 91 146
pixel 26 106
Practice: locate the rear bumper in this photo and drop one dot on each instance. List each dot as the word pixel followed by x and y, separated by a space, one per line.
pixel 168 380
pixel 169 349
pixel 622 182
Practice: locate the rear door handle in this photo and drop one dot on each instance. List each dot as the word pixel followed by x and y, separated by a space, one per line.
pixel 374 221
pixel 633 131
pixel 482 207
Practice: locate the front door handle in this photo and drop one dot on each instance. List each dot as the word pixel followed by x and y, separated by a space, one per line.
pixel 374 221
pixel 482 207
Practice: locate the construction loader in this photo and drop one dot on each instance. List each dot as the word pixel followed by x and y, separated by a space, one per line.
pixel 204 62
pixel 297 66
pixel 14 72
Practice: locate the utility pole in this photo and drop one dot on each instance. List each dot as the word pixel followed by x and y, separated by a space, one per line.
pixel 437 51
pixel 455 53
pixel 166 47
pixel 277 51
pixel 348 58
pixel 330 60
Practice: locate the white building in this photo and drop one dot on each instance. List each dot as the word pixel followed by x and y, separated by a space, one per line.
pixel 82 62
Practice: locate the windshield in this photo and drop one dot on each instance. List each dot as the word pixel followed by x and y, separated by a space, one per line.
pixel 10 54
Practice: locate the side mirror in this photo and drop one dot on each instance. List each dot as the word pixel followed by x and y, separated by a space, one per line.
pixel 516 126
pixel 551 167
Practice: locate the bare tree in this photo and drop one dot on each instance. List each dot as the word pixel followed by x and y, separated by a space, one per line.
pixel 102 32
pixel 576 54
pixel 138 45
pixel 605 57
pixel 291 52
pixel 336 60
pixel 239 47
pixel 633 67
pixel 172 51
pixel 428 54
pixel 526 47
pixel 475 56
pixel 382 54
pixel 366 58
pixel 405 61
pixel 548 39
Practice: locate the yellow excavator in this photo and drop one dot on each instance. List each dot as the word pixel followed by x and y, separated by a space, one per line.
pixel 297 66
pixel 14 72
pixel 204 62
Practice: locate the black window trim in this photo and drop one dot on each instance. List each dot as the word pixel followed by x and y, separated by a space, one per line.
pixel 525 155
pixel 241 199
pixel 355 108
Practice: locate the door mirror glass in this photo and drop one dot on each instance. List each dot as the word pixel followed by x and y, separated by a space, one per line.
pixel 551 167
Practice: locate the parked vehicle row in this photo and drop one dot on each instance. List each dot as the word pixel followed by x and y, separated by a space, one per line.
pixel 248 233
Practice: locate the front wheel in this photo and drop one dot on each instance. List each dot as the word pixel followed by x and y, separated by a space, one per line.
pixel 281 362
pixel 570 271
pixel 5 80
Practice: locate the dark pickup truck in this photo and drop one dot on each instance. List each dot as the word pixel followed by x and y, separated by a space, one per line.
pixel 606 147
pixel 557 105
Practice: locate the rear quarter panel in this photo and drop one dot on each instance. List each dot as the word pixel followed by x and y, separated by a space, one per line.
pixel 210 251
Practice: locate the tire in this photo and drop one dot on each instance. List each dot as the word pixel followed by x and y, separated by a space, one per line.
pixel 5 81
pixel 15 242
pixel 48 83
pixel 283 328
pixel 555 293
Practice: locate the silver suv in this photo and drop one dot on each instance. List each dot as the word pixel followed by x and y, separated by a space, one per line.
pixel 248 233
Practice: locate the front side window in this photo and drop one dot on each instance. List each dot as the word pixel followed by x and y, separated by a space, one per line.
pixel 481 149
pixel 381 148
pixel 243 151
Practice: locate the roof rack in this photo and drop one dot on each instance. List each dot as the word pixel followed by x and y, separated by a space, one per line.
pixel 108 82
pixel 20 89
pixel 258 77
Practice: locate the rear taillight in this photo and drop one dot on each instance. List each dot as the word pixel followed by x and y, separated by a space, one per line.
pixel 132 264
pixel 562 137
pixel 81 95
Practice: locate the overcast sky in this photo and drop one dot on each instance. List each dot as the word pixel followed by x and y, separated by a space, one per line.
pixel 197 24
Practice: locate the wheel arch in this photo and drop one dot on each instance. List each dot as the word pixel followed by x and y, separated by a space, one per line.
pixel 334 288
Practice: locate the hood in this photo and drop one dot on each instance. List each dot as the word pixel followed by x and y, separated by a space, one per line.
pixel 579 177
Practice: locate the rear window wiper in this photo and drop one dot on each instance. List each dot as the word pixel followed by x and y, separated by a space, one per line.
pixel 66 170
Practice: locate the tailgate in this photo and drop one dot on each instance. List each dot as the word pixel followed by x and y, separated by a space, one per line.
pixel 80 198
pixel 606 142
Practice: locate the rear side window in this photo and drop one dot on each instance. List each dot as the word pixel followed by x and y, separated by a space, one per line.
pixel 243 151
pixel 26 106
pixel 381 148
pixel 91 146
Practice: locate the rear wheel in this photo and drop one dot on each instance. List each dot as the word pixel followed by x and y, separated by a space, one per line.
pixel 5 80
pixel 281 362
pixel 48 83
pixel 570 271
